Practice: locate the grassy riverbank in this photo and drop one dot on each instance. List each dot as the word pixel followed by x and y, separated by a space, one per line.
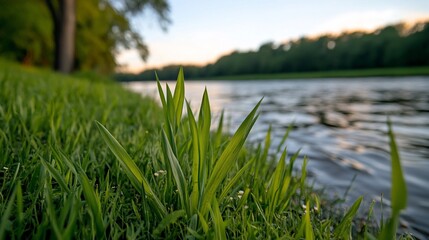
pixel 376 72
pixel 172 180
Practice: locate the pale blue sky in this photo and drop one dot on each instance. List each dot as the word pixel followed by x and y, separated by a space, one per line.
pixel 201 31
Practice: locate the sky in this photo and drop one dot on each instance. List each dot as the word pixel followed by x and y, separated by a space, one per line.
pixel 202 31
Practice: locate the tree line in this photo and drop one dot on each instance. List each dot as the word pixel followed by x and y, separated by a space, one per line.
pixel 397 45
pixel 70 35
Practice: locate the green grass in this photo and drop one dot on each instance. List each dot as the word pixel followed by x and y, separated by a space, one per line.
pixel 375 72
pixel 167 174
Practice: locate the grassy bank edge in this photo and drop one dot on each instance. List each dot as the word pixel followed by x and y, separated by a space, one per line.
pixel 375 72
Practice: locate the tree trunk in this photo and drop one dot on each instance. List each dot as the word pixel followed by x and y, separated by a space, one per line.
pixel 64 19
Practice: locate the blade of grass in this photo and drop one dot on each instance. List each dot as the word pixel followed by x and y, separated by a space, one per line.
pixel 344 228
pixel 132 171
pixel 57 176
pixel 235 179
pixel 177 173
pixel 398 191
pixel 219 131
pixel 90 195
pixel 167 220
pixel 219 225
pixel 309 235
pixel 289 129
pixel 51 212
pixel 226 160
pixel 5 223
pixel 399 188
pixel 196 182
pixel 179 95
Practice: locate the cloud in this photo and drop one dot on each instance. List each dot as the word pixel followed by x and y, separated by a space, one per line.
pixel 367 20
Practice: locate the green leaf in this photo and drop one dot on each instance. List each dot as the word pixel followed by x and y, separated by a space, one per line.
pixel 167 220
pixel 196 161
pixel 162 97
pixel 88 191
pixel 399 188
pixel 235 179
pixel 309 235
pixel 179 95
pixel 285 136
pixel 219 225
pixel 51 212
pixel 219 131
pixel 131 170
pixel 398 191
pixel 57 176
pixel 344 228
pixel 204 122
pixel 5 223
pixel 226 160
pixel 177 173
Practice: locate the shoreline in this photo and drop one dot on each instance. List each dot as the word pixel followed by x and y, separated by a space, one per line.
pixel 375 72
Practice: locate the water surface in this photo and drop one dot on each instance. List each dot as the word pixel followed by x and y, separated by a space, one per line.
pixel 340 124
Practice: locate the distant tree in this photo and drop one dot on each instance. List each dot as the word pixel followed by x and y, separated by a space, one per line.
pixel 63 14
pixel 390 46
pixel 25 33
pixel 73 34
pixel 112 17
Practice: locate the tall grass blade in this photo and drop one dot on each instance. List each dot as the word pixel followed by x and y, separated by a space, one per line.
pixel 285 136
pixel 197 182
pixel 204 122
pixel 179 95
pixel 344 228
pixel 309 235
pixel 19 209
pixel 235 179
pixel 57 176
pixel 219 225
pixel 51 212
pixel 398 191
pixel 219 131
pixel 93 201
pixel 167 220
pixel 177 173
pixel 226 160
pixel 88 191
pixel 131 170
pixel 5 223
pixel 399 188
pixel 171 110
pixel 162 97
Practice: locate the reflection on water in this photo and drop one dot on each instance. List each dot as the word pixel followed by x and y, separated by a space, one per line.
pixel 340 124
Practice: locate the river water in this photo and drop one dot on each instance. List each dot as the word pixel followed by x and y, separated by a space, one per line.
pixel 340 124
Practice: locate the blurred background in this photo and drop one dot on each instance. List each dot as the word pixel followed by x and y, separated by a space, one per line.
pixel 215 38
pixel 335 70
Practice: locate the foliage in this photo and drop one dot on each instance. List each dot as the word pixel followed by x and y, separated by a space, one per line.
pixel 388 47
pixel 102 29
pixel 25 32
pixel 178 180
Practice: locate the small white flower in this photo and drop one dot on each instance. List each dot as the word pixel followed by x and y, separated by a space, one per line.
pixel 304 206
pixel 231 198
pixel 316 209
pixel 240 196
pixel 162 171
pixel 156 174
pixel 246 207
pixel 241 192
pixel 5 168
